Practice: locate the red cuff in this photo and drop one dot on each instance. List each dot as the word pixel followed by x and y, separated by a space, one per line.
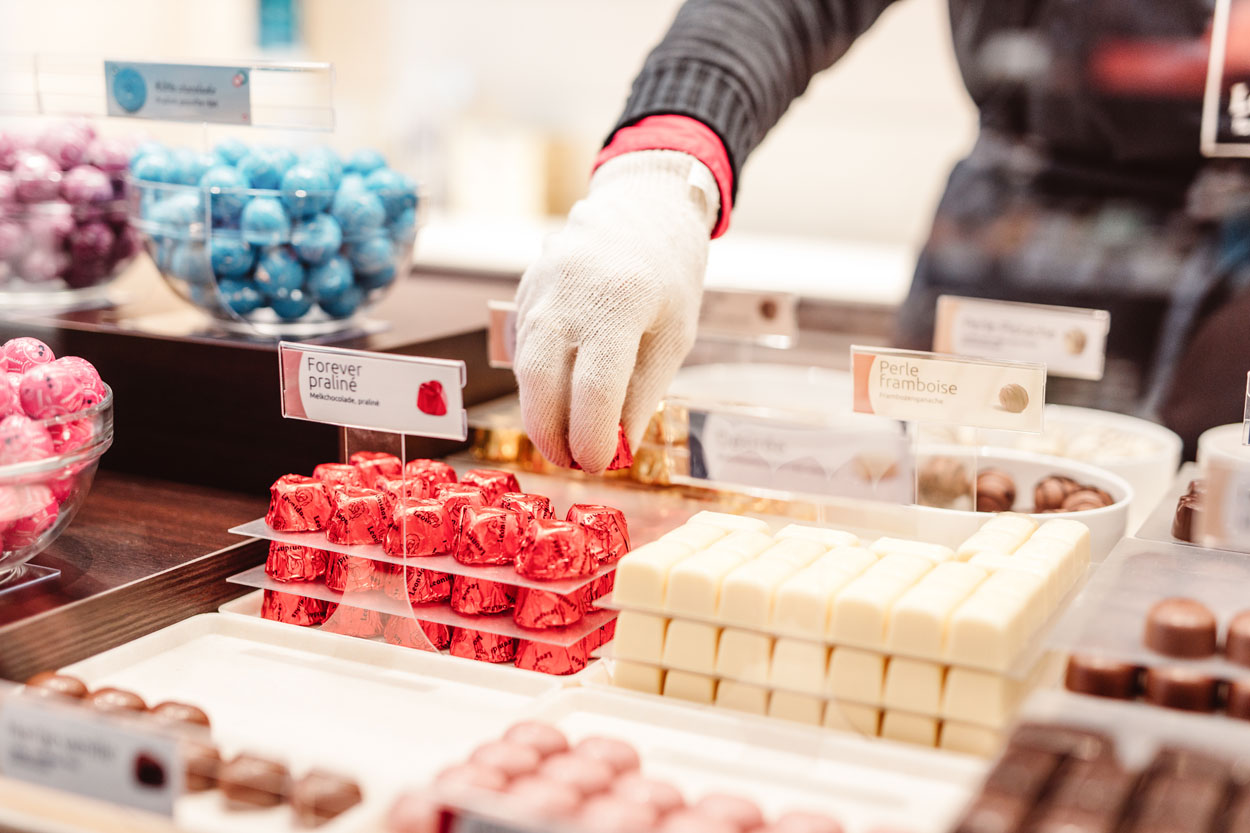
pixel 688 136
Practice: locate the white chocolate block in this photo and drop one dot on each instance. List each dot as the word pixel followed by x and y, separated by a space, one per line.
pixel 746 596
pixel 969 739
pixel 798 707
pixel 697 536
pixel 898 546
pixel 862 609
pixel 799 666
pixel 747 543
pixel 913 685
pixel 744 656
pixel 909 728
pixel 742 697
pixel 1049 572
pixel 852 717
pixel 1069 532
pixel 648 679
pixel 981 697
pixel 691 646
pixel 803 601
pixel 857 676
pixel 991 627
pixel 1062 555
pixel 852 559
pixel 918 620
pixel 642 576
pixel 697 688
pixel 694 583
pixel 829 537
pixel 728 522
pixel 794 551
pixel 1022 526
pixel 639 636
pixel 994 541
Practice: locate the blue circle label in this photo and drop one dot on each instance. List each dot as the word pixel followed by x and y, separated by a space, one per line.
pixel 130 90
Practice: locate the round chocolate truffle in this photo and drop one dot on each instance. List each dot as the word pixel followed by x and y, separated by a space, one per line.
pixel 512 759
pixel 1051 491
pixel 1180 688
pixel 471 777
pixel 543 798
pixel 116 700
pixel 249 781
pixel 1013 398
pixel 1239 699
pixel 661 795
pixel 1179 627
pixel 320 796
pixel 615 753
pixel 1084 499
pixel 544 738
pixel 587 775
pixel 1101 677
pixel 742 813
pixel 942 480
pixel 174 712
pixel 1237 645
pixel 52 683
pixel 611 814
pixel 996 491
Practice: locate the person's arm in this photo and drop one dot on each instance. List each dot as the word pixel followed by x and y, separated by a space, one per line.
pixel 608 312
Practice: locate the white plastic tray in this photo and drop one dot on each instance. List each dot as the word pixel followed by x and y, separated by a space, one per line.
pixel 864 783
pixel 389 717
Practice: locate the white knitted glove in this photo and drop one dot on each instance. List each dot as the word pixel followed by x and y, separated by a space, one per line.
pixel 609 310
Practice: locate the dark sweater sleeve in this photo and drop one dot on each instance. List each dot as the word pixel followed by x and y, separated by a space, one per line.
pixel 736 65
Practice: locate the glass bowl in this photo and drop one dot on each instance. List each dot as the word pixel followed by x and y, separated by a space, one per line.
pixel 39 498
pixel 278 262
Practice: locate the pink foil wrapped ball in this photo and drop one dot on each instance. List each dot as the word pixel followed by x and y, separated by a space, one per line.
pixel 38 176
pixel 50 390
pixel 66 144
pixel 8 189
pixel 25 531
pixel 41 265
pixel 10 144
pixel 110 155
pixel 92 242
pixel 20 354
pixel 86 184
pixel 85 372
pixel 22 440
pixel 71 436
pixel 10 401
pixel 50 223
pixel 12 240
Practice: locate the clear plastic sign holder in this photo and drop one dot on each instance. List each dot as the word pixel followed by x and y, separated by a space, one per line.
pixel 1225 130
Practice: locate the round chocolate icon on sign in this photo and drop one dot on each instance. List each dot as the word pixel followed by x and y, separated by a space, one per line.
pixel 1013 398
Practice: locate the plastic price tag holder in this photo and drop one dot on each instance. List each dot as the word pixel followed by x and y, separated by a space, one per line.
pixel 1226 102
pixel 1245 430
pixel 1224 522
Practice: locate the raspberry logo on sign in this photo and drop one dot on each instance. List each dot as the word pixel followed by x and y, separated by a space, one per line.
pixel 431 400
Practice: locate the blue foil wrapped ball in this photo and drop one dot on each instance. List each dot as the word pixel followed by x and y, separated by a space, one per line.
pixel 314 185
pixel 290 304
pixel 351 184
pixel 358 212
pixel 326 159
pixel 403 226
pixel 279 270
pixel 227 195
pixel 175 215
pixel 189 262
pixel 376 280
pixel 330 279
pixel 264 222
pixel 317 239
pixel 284 158
pixel 189 165
pixel 230 151
pixel 343 305
pixel 396 191
pixel 144 149
pixel 371 255
pixel 156 166
pixel 263 168
pixel 242 297
pixel 365 161
pixel 231 257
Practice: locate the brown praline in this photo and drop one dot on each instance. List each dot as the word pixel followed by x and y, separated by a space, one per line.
pixel 1050 492
pixel 1101 677
pixel 250 781
pixel 52 683
pixel 174 712
pixel 1180 688
pixel 1180 627
pixel 1237 643
pixel 996 491
pixel 320 796
pixel 116 700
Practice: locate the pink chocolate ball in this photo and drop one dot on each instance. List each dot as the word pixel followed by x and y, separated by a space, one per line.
pixel 587 775
pixel 38 176
pixel 50 223
pixel 86 184
pixel 84 371
pixel 542 798
pixel 13 240
pixel 26 530
pixel 796 822
pixel 51 390
pixel 690 821
pixel 8 189
pixel 66 144
pixel 414 813
pixel 41 265
pixel 615 753
pixel 610 814
pixel 22 440
pixel 92 242
pixel 71 436
pixel 661 795
pixel 110 155
pixel 10 144
pixel 10 400
pixel 21 354
pixel 512 759
pixel 471 777
pixel 544 738
pixel 742 813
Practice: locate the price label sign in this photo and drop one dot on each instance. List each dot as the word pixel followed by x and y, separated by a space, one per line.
pixel 1225 519
pixel 178 92
pixel 374 391
pixel 1226 102
pixel 923 387
pixel 1072 342
pixel 1245 427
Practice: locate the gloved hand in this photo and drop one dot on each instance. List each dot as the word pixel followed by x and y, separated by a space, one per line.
pixel 610 309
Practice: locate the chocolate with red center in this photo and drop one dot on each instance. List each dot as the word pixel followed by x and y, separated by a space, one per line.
pixel 552 659
pixel 493 483
pixel 540 609
pixel 473 596
pixel 607 535
pixel 349 574
pixel 298 504
pixel 554 550
pixel 489 535
pixel 376 466
pixel 293 609
pixel 420 528
pixel 294 562
pixel 432 472
pixel 360 516
pixel 482 646
pixel 528 507
pixel 403 630
pixel 400 581
pixel 339 474
pixel 354 621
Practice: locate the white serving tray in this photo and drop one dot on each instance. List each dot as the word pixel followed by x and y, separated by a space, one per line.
pixel 389 717
pixel 865 784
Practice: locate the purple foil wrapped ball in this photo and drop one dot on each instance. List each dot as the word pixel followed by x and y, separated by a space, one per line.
pixel 41 265
pixel 65 144
pixel 128 243
pixel 80 274
pixel 86 184
pixel 109 155
pixel 48 224
pixel 92 242
pixel 10 144
pixel 38 176
pixel 8 189
pixel 12 240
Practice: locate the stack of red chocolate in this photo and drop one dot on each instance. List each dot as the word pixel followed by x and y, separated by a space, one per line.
pixel 420 510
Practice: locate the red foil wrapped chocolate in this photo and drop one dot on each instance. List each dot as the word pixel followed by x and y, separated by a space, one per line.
pixel 376 466
pixel 623 458
pixel 489 535
pixel 339 474
pixel 354 621
pixel 554 550
pixel 403 490
pixel 294 609
pixel 431 399
pixel 432 472
pixel 349 574
pixel 293 562
pixel 420 527
pixel 408 632
pixel 456 497
pixel 298 504
pixel 607 633
pixel 400 581
pixel 541 609
pixel 493 483
pixel 552 659
pixel 607 535
pixel 360 516
pixel 482 646
pixel 529 507
pixel 477 597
